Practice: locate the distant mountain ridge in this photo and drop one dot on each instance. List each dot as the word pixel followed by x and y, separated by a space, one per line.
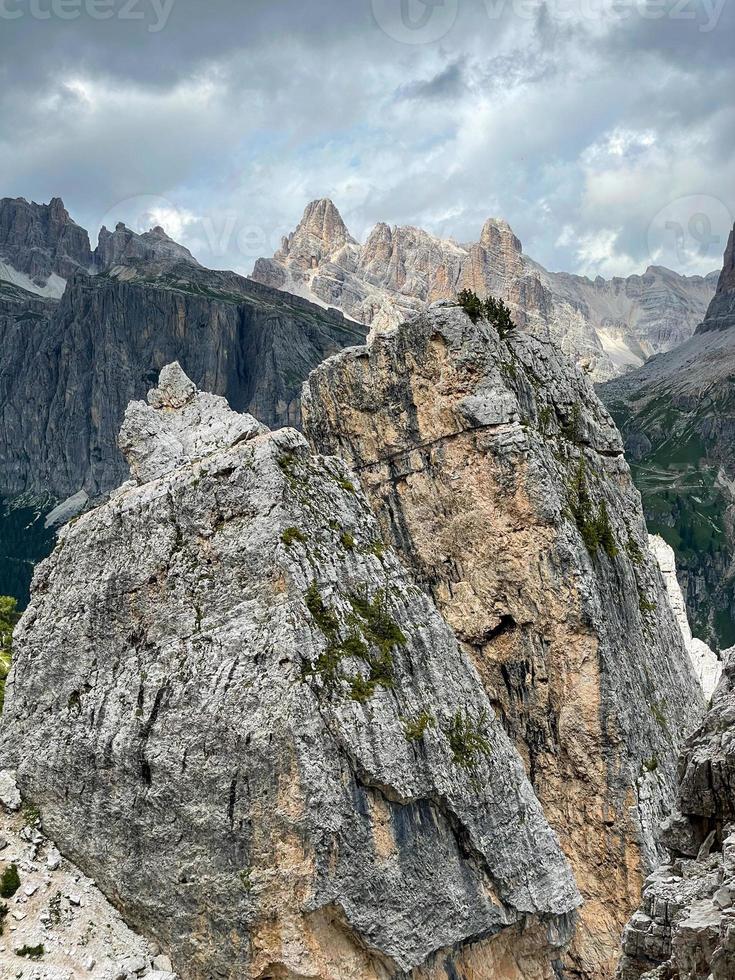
pixel 677 414
pixel 70 365
pixel 607 326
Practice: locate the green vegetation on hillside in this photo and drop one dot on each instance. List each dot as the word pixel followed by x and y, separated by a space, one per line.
pixel 683 500
pixel 493 310
pixel 8 619
pixel 24 541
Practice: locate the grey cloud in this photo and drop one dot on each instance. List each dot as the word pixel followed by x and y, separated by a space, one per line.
pixel 445 84
pixel 238 113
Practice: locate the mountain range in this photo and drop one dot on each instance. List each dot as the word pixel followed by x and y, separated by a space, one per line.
pixel 677 414
pixel 83 332
pixel 607 326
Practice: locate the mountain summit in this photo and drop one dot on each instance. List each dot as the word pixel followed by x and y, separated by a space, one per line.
pixel 609 327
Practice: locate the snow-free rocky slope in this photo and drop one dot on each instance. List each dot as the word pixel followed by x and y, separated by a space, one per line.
pixel 237 713
pixel 499 477
pixel 677 414
pixel 685 927
pixel 58 908
pixel 610 326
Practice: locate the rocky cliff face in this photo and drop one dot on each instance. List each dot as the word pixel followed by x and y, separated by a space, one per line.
pixel 721 312
pixel 676 414
pixel 685 927
pixel 57 925
pixel 706 664
pixel 70 367
pixel 608 326
pixel 41 243
pixel 236 712
pixel 500 479
pixel 123 247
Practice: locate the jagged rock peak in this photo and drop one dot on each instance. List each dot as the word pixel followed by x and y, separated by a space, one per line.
pixel 297 771
pixel 606 326
pixel 39 240
pixel 321 229
pixel 178 425
pixel 721 312
pixel 499 477
pixel 497 230
pixel 123 247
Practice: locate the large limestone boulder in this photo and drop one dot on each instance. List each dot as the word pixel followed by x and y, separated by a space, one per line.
pixel 236 712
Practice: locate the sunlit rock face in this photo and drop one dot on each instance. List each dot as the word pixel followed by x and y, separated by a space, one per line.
pixel 500 479
pixel 608 326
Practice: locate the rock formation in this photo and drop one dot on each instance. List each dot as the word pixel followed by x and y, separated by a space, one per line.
pixel 124 247
pixel 70 367
pixel 500 479
pixel 58 925
pixel 676 414
pixel 685 927
pixel 721 312
pixel 236 712
pixel 40 246
pixel 608 326
pixel 706 664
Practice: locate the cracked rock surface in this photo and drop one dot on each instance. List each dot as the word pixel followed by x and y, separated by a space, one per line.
pixel 685 926
pixel 233 708
pixel 499 477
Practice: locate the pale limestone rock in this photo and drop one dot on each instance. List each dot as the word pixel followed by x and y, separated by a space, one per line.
pixel 609 326
pixel 705 661
pixel 9 795
pixel 469 448
pixel 87 943
pixel 179 424
pixel 236 711
pixel 686 925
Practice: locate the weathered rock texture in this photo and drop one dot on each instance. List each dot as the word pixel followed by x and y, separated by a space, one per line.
pixel 68 371
pixel 70 367
pixel 41 240
pixel 123 247
pixel 489 463
pixel 677 414
pixel 721 312
pixel 609 326
pixel 685 927
pixel 236 712
pixel 58 909
pixel 706 664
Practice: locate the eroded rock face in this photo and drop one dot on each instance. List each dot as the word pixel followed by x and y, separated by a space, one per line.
pixel 124 247
pixel 58 912
pixel 721 312
pixel 499 478
pixel 236 712
pixel 40 241
pixel 685 927
pixel 607 326
pixel 706 664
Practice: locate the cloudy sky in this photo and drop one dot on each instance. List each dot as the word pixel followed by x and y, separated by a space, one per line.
pixel 603 130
